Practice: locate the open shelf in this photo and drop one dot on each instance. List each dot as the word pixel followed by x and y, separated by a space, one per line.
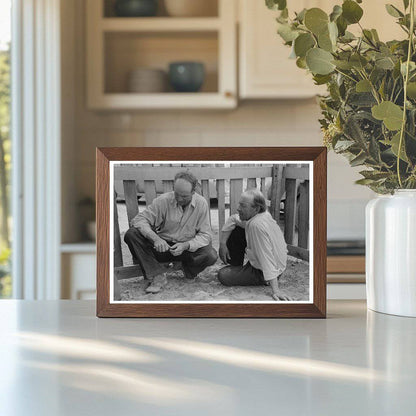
pixel 127 51
pixel 210 9
pixel 116 46
pixel 80 247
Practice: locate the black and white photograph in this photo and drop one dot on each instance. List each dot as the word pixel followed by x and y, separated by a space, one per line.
pixel 221 232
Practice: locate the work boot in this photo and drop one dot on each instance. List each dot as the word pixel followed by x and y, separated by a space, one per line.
pixel 157 284
pixel 187 274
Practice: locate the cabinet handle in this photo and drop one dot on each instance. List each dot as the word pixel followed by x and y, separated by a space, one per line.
pixel 228 94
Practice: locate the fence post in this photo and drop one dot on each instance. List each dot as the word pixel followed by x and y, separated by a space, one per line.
pixel 303 223
pixel 149 191
pixel 290 210
pixel 130 195
pixel 220 183
pixel 276 194
pixel 118 258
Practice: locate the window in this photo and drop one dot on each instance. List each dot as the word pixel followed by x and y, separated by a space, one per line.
pixel 5 148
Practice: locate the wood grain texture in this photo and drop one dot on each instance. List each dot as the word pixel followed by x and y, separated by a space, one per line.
pixel 220 184
pixel 118 257
pixel 130 196
pixel 303 214
pixel 149 191
pixel 103 231
pixel 236 189
pixel 346 264
pixel 276 192
pixel 319 229
pixel 290 210
pixel 317 309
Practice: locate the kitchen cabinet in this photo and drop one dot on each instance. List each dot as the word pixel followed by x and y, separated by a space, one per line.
pixel 78 271
pixel 265 70
pixel 118 45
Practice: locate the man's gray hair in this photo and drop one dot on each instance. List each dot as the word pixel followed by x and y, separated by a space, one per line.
pixel 258 199
pixel 187 176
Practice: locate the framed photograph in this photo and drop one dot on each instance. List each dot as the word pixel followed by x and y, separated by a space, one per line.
pixel 211 232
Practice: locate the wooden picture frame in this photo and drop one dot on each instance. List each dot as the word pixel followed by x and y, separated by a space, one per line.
pixel 110 161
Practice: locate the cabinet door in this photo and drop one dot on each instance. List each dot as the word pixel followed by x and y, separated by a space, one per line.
pixel 265 68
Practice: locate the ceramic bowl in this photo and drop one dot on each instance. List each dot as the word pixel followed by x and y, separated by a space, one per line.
pixel 186 76
pixel 147 80
pixel 135 8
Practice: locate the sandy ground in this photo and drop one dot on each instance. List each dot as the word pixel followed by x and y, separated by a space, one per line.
pixel 293 283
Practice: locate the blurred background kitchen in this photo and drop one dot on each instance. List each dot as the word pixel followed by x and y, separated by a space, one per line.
pixel 165 73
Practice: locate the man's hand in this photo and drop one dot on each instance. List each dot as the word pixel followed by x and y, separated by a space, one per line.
pixel 224 253
pixel 178 248
pixel 161 246
pixel 278 296
pixel 274 284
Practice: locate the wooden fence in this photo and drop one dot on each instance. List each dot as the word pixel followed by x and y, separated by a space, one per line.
pixel 288 182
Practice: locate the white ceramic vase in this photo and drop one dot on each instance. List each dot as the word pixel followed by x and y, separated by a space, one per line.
pixel 391 253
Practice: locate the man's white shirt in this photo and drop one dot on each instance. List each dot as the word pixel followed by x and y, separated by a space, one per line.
pixel 266 247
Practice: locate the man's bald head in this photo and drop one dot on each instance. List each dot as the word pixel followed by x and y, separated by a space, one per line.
pixel 251 203
pixel 257 199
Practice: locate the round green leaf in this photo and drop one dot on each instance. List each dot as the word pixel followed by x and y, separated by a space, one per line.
pixel 336 12
pixel 411 90
pixel 301 63
pixel 286 32
pixel 375 35
pixel 341 25
pixel 351 11
pixel 395 143
pixel 301 15
pixel 321 79
pixel 324 42
pixel 319 61
pixel 276 4
pixel 393 11
pixel 390 113
pixel 363 86
pixel 303 43
pixel 328 40
pixel 316 20
pixel 341 64
pixel 358 61
pixel 333 32
pixel 385 63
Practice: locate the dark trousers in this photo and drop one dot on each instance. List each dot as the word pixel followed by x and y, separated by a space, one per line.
pixel 150 260
pixel 237 274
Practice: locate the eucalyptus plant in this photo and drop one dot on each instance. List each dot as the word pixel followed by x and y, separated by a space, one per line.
pixel 369 112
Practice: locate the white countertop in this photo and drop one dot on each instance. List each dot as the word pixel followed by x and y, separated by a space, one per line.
pixel 57 358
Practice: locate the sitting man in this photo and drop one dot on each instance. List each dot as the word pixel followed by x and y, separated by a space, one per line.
pixel 252 231
pixel 175 226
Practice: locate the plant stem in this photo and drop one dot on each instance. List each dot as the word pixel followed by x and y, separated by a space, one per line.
pixel 373 90
pixel 345 75
pixel 406 78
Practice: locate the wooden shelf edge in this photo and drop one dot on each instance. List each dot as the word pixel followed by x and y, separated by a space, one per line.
pixel 160 24
pixel 346 264
pixel 162 101
pixel 80 247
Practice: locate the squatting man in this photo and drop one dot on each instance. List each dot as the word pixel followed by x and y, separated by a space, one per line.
pixel 175 226
pixel 253 232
